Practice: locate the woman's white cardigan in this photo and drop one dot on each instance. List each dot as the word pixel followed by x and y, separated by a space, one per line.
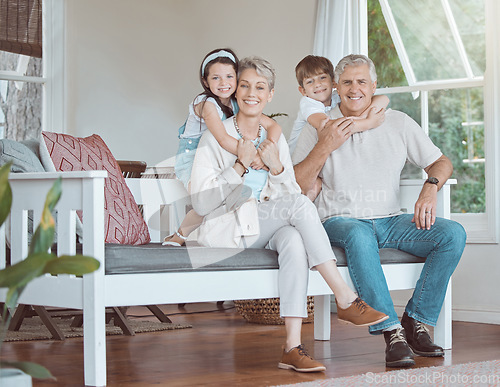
pixel 218 192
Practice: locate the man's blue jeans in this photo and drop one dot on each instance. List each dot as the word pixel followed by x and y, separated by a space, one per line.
pixel 361 239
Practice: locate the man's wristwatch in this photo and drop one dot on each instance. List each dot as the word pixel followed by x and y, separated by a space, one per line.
pixel 432 180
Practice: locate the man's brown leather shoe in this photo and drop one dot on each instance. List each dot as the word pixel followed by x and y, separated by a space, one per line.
pixel 419 339
pixel 360 313
pixel 299 360
pixel 397 352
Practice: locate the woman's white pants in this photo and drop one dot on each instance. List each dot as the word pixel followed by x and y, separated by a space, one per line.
pixel 291 226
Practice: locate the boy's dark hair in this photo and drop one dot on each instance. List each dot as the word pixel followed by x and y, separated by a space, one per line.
pixel 312 65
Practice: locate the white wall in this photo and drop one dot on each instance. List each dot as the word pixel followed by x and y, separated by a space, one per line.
pixel 476 286
pixel 132 71
pixel 133 65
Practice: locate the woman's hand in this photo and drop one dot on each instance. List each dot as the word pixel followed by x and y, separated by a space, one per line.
pixel 246 152
pixel 268 152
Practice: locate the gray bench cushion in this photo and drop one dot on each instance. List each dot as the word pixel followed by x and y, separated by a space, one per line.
pixel 155 258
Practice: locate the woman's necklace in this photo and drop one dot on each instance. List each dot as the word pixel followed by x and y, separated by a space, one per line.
pixel 256 140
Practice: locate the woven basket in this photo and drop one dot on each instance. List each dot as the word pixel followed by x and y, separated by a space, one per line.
pixel 267 311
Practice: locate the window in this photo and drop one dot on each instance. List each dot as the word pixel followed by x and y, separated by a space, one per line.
pixel 31 84
pixel 431 60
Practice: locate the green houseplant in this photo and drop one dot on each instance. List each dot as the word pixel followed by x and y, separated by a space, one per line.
pixel 38 262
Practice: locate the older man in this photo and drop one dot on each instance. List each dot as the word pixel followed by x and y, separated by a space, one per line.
pixel 359 207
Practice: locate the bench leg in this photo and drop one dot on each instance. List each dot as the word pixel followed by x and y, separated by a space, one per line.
pixel 442 331
pixel 158 313
pixel 54 330
pixel 121 321
pixel 94 340
pixel 21 312
pixel 322 317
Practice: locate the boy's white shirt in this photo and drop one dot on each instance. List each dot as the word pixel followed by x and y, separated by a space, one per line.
pixel 308 107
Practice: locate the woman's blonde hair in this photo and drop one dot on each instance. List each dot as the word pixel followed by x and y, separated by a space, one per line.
pixel 261 66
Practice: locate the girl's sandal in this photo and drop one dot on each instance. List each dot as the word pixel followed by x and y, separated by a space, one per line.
pixel 167 242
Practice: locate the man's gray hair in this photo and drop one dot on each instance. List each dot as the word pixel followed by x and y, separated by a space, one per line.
pixel 261 66
pixel 355 60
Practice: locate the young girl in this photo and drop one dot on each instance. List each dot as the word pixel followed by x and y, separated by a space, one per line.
pixel 218 77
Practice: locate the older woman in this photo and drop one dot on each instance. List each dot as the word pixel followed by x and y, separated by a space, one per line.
pixel 258 208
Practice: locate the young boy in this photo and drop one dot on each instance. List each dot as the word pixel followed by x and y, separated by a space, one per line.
pixel 315 77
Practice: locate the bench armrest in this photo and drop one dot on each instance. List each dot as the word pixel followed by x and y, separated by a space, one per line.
pixel 80 191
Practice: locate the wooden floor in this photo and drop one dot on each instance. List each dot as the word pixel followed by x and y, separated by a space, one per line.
pixel 222 349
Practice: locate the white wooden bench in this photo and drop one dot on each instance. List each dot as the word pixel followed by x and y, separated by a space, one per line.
pixel 92 293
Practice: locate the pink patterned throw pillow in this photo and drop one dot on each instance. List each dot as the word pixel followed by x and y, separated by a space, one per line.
pixel 123 222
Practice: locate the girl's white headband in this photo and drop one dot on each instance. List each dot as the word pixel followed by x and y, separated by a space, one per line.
pixel 215 55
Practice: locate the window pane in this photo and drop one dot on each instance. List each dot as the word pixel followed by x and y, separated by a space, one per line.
pixel 456 126
pixel 20 102
pixel 470 18
pixel 8 61
pixel 428 39
pixel 381 49
pixel 15 62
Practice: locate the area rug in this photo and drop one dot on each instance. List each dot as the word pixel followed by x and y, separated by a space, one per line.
pixel 33 329
pixel 486 373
